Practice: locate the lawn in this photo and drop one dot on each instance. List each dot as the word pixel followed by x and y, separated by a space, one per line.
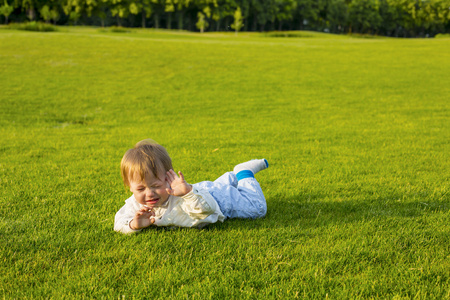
pixel 356 131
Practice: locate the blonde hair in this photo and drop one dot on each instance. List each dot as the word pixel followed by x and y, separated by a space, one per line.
pixel 146 157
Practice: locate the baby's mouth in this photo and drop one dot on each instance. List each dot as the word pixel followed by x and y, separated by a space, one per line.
pixel 152 201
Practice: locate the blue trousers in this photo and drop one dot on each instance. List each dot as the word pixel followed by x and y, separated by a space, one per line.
pixel 237 199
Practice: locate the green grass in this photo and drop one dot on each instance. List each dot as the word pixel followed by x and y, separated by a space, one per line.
pixel 356 132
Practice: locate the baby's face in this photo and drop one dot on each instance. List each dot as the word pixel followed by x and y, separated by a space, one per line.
pixel 151 191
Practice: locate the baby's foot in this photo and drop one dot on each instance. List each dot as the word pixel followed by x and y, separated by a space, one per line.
pixel 254 166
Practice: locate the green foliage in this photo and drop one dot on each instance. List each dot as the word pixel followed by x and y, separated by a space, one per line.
pixel 364 15
pixel 115 29
pixel 49 15
pixel 119 29
pixel 45 13
pixel 32 26
pixel 286 10
pixel 291 34
pixel 134 9
pixel 6 10
pixel 237 23
pixel 365 36
pixel 442 36
pixel 382 17
pixel 337 15
pixel 74 16
pixel 201 22
pixel 355 130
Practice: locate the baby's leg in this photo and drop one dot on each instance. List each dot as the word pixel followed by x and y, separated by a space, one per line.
pixel 228 178
pixel 250 168
pixel 241 195
pixel 249 188
pixel 243 170
pixel 255 202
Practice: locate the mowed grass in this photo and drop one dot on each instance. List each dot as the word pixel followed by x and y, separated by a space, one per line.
pixel 356 132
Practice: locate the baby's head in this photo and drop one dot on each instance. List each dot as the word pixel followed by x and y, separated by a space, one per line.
pixel 147 158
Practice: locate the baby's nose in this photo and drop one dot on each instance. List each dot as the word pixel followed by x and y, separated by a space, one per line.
pixel 150 193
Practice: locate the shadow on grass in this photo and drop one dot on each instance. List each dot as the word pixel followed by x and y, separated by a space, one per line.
pixel 315 211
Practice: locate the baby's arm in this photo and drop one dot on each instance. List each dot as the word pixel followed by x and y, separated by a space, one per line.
pixel 127 215
pixel 195 209
pixel 196 204
pixel 142 218
pixel 123 218
pixel 199 204
pixel 177 184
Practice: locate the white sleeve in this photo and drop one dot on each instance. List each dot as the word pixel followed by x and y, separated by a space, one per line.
pixel 199 204
pixel 123 218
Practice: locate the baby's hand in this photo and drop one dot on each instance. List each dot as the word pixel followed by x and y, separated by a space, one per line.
pixel 143 218
pixel 177 185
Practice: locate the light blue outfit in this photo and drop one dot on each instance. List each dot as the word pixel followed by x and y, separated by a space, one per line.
pixel 236 199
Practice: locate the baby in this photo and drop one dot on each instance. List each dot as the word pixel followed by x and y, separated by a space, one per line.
pixel 162 197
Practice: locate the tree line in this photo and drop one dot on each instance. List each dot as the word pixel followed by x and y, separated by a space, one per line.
pixel 399 18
